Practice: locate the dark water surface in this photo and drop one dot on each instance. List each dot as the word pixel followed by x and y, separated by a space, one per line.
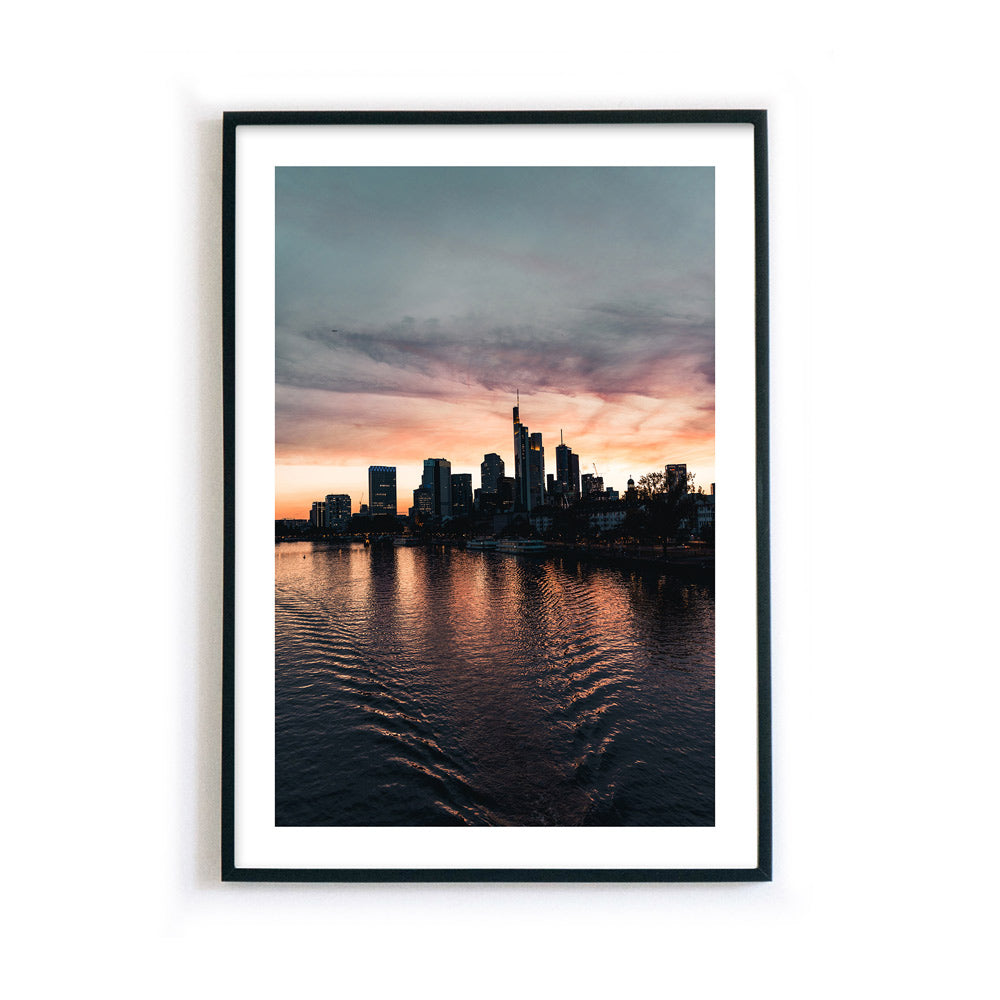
pixel 424 687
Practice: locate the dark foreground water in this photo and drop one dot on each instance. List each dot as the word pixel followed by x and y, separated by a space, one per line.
pixel 425 687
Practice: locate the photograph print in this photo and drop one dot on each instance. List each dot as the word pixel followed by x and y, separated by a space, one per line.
pixel 495 496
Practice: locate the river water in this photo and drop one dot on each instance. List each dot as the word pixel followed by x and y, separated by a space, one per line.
pixel 422 687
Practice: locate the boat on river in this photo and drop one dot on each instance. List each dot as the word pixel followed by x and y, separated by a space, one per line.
pixel 521 545
pixel 481 543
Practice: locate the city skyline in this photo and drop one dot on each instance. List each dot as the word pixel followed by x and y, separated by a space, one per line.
pixel 413 303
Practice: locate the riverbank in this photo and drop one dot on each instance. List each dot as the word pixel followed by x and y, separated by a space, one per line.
pixel 693 561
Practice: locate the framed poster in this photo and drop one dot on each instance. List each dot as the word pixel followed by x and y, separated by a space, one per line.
pixel 496 578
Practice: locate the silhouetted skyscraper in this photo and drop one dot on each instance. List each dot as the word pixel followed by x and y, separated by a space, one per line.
pixel 522 464
pixel 382 489
pixel 423 502
pixel 562 465
pixel 461 494
pixel 317 516
pixel 536 465
pixel 437 478
pixel 506 493
pixel 338 511
pixel 675 475
pixel 593 485
pixel 567 470
pixel 490 472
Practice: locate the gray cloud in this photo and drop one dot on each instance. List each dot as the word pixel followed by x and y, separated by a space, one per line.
pixel 438 283
pixel 607 350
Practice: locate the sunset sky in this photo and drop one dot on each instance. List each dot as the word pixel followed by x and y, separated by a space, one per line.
pixel 411 303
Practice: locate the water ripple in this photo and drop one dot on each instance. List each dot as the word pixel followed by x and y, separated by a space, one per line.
pixel 423 687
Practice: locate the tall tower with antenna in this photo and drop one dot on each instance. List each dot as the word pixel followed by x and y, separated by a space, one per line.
pixel 522 452
pixel 567 470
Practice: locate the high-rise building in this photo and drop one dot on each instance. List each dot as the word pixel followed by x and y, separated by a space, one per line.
pixel 506 493
pixel 461 494
pixel 567 470
pixel 437 478
pixel 676 475
pixel 423 502
pixel 338 511
pixel 562 465
pixel 536 465
pixel 593 486
pixel 382 489
pixel 490 472
pixel 485 503
pixel 574 473
pixel 522 462
pixel 317 515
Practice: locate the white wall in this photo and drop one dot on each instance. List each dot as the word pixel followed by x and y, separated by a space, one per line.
pixel 883 243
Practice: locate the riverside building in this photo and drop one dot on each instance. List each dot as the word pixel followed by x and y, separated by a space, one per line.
pixel 536 468
pixel 423 503
pixel 675 474
pixel 567 470
pixel 593 486
pixel 317 515
pixel 522 462
pixel 437 478
pixel 382 489
pixel 506 493
pixel 338 511
pixel 461 494
pixel 490 472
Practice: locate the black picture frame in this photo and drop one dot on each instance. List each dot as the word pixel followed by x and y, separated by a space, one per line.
pixel 231 868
